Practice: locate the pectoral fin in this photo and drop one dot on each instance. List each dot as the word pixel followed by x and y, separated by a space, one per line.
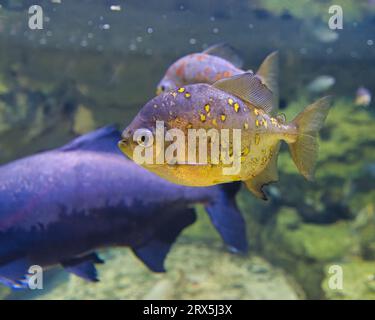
pixel 267 176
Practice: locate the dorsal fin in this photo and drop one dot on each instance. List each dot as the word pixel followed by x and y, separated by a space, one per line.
pixel 269 73
pixel 267 176
pixel 225 51
pixel 250 88
pixel 104 140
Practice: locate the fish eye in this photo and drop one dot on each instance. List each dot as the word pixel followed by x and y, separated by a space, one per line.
pixel 160 89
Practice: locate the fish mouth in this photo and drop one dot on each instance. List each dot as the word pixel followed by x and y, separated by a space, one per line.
pixel 125 147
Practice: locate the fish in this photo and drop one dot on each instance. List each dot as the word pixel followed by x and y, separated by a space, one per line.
pixel 363 97
pixel 244 103
pixel 217 62
pixel 321 84
pixel 60 206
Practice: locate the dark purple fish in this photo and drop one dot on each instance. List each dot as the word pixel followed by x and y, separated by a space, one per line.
pixel 59 206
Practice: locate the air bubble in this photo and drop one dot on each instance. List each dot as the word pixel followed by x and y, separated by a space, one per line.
pixel 193 41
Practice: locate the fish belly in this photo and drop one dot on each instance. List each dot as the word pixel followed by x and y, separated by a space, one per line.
pixel 261 149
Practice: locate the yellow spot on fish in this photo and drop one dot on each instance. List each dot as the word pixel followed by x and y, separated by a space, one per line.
pixel 257 138
pixel 187 95
pixel 265 123
pixel 246 125
pixel 189 126
pixel 236 107
pixel 202 117
pixel 256 111
pixel 254 160
pixel 230 101
pixel 245 151
pixel 257 122
pixel 181 90
pixel 214 122
pixel 207 108
pixel 223 117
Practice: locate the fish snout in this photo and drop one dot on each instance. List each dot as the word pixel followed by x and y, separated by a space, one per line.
pixel 127 135
pixel 126 140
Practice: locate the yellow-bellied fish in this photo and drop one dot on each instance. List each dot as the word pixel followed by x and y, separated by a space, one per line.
pixel 243 102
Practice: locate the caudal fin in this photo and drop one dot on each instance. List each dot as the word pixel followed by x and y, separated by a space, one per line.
pixel 304 150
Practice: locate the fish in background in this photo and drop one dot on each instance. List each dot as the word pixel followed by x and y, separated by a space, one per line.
pixel 321 83
pixel 60 206
pixel 363 97
pixel 245 102
pixel 217 62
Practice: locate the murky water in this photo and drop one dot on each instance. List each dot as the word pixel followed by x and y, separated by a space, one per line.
pixel 96 63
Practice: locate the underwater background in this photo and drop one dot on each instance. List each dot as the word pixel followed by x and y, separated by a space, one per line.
pixel 97 62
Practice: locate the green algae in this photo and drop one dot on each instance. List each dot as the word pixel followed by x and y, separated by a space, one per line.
pixel 358 281
pixel 195 271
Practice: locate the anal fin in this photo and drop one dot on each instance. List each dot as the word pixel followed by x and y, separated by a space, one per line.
pixel 153 252
pixel 83 267
pixel 267 176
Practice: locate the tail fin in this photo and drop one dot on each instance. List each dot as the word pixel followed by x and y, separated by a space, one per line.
pixel 227 219
pixel 304 150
